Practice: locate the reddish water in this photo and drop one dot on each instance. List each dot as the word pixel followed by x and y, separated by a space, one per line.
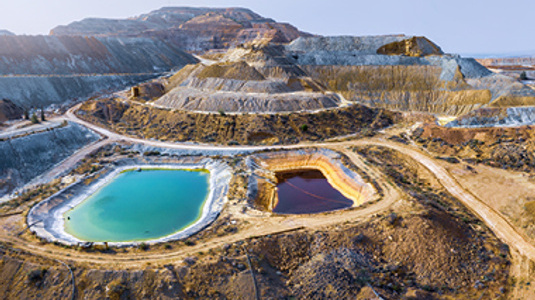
pixel 308 192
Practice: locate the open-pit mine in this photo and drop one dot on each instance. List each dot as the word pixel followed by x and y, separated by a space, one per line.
pixel 216 154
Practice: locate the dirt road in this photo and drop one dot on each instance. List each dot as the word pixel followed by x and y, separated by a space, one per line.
pixel 498 224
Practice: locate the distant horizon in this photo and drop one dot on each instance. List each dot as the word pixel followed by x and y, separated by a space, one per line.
pixel 490 29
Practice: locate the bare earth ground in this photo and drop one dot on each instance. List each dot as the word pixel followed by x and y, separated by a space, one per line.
pixel 470 194
pixel 510 193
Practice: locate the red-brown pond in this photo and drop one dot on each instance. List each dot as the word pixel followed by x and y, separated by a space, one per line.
pixel 307 192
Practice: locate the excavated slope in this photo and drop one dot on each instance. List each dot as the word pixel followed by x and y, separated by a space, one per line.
pixel 239 87
pixel 45 55
pixel 405 88
pixel 412 77
pixel 27 157
pixel 41 70
pixel 38 91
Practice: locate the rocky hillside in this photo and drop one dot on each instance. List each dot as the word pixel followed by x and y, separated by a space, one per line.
pixel 239 87
pixel 507 148
pixel 397 72
pixel 47 55
pixel 370 45
pixel 29 156
pixel 405 73
pixel 193 29
pixel 149 122
pixel 41 70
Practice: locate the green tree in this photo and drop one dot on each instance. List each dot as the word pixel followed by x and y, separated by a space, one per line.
pixel 523 76
pixel 34 119
pixel 26 114
pixel 42 115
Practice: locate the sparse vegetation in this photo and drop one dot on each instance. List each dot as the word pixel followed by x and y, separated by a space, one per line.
pixel 245 129
pixel 144 246
pixel 34 119
pixel 36 275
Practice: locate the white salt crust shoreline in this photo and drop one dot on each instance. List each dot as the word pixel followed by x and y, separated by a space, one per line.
pixel 46 218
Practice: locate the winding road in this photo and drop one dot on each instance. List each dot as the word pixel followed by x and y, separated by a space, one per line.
pixel 503 229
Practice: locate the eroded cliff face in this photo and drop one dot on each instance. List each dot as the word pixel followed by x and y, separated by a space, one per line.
pixel 405 73
pixel 39 91
pixel 68 55
pixel 27 157
pixel 41 70
pixel 329 163
pixel 403 88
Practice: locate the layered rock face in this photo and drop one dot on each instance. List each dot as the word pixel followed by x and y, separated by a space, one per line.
pixel 365 51
pixel 46 55
pixel 70 63
pixel 41 90
pixel 193 29
pixel 238 87
pixel 41 70
pixel 313 73
pixel 27 157
pixel 405 73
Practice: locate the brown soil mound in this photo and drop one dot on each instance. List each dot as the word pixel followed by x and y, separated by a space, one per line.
pixel 245 129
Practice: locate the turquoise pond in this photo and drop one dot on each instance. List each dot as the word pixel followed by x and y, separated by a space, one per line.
pixel 140 206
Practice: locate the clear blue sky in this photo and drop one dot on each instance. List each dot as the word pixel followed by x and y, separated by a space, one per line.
pixel 458 26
